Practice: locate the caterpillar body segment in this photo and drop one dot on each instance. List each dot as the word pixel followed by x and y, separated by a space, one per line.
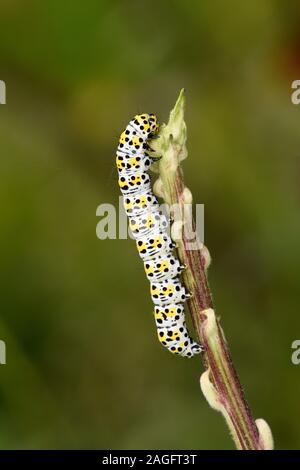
pixel 147 224
pixel 163 267
pixel 168 291
pixel 134 183
pixel 159 244
pixel 140 204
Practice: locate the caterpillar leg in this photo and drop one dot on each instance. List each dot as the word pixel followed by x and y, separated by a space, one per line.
pixel 155 158
pixel 154 136
pixel 148 148
pixel 188 295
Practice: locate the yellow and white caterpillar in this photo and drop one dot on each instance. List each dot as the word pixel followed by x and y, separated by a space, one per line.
pixel 149 227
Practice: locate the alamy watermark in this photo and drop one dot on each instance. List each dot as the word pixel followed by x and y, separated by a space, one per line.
pixel 295 96
pixel 2 92
pixel 2 343
pixel 114 224
pixel 2 352
pixel 295 358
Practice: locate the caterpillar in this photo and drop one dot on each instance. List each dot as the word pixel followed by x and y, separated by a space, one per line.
pixel 149 227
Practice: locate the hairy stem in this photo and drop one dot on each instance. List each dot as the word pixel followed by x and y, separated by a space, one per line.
pixel 219 383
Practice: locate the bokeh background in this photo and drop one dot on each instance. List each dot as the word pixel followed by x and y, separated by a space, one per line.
pixel 84 368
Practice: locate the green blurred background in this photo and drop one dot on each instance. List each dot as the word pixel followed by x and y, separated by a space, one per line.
pixel 84 368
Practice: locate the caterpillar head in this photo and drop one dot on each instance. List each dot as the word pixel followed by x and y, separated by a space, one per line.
pixel 147 123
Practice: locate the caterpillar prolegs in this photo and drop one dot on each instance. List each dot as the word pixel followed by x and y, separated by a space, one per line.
pixel 149 228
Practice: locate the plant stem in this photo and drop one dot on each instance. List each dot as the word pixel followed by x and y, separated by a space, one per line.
pixel 220 383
